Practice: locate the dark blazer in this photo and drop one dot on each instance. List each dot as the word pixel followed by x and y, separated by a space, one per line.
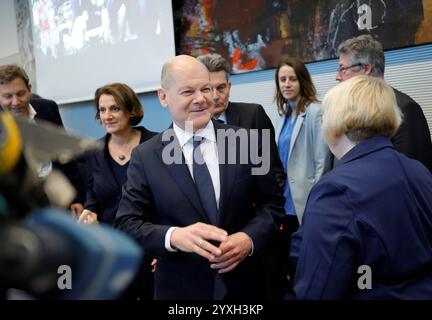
pixel 158 196
pixel 375 209
pixel 413 137
pixel 248 115
pixel 253 116
pixel 275 261
pixel 48 110
pixel 103 191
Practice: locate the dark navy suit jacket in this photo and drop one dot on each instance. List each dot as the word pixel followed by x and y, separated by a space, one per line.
pixel 253 116
pixel 375 209
pixel 159 195
pixel 248 115
pixel 103 190
pixel 48 110
pixel 413 137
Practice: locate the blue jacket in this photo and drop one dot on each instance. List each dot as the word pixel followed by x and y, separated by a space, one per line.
pixel 375 209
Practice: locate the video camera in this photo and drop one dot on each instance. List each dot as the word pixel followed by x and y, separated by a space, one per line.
pixel 44 252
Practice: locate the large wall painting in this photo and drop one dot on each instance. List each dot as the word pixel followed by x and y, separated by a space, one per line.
pixel 253 35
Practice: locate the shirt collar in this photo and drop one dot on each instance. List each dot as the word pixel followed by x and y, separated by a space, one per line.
pixel 222 117
pixel 32 113
pixel 184 136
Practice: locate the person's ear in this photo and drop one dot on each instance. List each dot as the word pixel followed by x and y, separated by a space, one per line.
pixel 29 87
pixel 368 69
pixel 163 99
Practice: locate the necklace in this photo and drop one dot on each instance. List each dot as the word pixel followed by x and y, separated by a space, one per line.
pixel 123 151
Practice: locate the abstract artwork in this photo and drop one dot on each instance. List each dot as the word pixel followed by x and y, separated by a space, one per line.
pixel 253 35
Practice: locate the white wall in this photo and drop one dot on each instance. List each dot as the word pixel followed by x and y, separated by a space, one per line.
pixel 409 70
pixel 9 52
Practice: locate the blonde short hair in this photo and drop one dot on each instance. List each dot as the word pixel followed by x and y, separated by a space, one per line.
pixel 361 107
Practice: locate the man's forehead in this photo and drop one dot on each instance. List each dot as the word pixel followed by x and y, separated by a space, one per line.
pixel 344 58
pixel 14 82
pixel 190 78
pixel 219 76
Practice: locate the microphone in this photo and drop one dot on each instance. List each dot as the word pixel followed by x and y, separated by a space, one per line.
pixel 50 256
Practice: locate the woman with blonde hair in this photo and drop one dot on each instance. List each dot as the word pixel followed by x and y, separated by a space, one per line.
pixel 367 226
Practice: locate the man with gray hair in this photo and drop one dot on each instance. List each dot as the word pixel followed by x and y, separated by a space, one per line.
pixel 244 115
pixel 365 55
pixel 249 116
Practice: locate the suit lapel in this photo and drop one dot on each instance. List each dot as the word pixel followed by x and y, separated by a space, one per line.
pixel 296 130
pixel 104 166
pixel 279 128
pixel 180 174
pixel 227 171
pixel 232 115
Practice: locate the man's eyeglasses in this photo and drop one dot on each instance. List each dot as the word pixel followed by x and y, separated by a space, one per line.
pixel 344 69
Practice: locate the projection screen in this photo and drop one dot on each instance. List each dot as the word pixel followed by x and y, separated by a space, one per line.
pixel 80 45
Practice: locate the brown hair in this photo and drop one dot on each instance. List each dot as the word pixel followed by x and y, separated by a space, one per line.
pixel 11 72
pixel 307 88
pixel 126 99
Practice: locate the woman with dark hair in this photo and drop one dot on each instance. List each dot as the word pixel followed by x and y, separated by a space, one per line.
pixel 302 150
pixel 119 110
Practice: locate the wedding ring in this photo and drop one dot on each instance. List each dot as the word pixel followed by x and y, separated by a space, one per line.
pixel 200 243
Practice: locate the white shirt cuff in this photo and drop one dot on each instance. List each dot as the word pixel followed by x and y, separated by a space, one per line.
pixel 252 249
pixel 168 240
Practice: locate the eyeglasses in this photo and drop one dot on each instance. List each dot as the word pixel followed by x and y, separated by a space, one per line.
pixel 344 69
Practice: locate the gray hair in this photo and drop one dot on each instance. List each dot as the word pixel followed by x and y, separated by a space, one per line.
pixel 366 50
pixel 215 63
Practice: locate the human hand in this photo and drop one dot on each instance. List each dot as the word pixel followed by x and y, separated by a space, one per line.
pixel 88 217
pixel 76 209
pixel 154 265
pixel 196 237
pixel 234 250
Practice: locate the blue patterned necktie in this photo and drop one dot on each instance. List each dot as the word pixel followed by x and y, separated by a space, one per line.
pixel 206 193
pixel 203 182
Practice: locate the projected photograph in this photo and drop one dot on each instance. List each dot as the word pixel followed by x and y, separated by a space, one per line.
pixel 253 35
pixel 65 27
pixel 80 45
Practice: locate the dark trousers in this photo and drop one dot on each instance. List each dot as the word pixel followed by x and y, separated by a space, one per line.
pixel 276 260
pixel 142 287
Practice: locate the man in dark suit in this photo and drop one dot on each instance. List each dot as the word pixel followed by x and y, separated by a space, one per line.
pixel 16 98
pixel 365 55
pixel 250 116
pixel 208 235
pixel 244 115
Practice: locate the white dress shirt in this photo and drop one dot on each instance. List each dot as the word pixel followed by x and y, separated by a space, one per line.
pixel 210 154
pixel 43 168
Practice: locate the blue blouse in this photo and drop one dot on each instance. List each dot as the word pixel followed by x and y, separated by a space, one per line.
pixel 283 148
